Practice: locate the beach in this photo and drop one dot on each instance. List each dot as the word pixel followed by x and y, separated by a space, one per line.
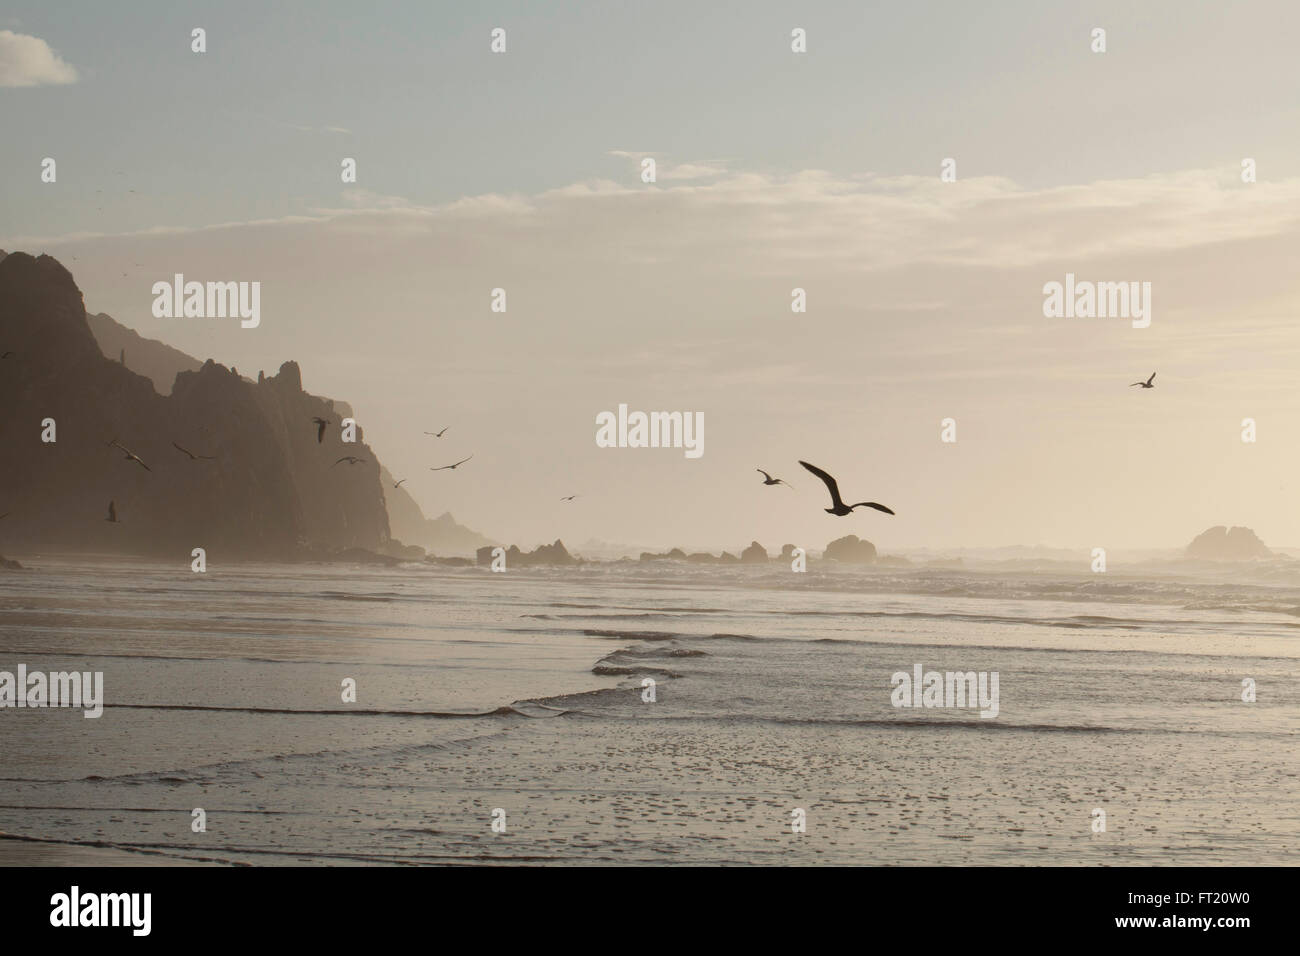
pixel 521 699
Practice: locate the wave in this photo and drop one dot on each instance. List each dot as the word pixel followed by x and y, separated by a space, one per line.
pixel 510 710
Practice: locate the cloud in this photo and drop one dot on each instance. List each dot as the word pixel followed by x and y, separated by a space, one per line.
pixel 758 223
pixel 29 61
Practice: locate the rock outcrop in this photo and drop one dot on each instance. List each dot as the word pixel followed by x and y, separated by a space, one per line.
pixel 545 554
pixel 754 554
pixel 851 549
pixel 1221 543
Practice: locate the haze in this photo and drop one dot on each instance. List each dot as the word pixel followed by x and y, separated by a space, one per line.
pixel 775 171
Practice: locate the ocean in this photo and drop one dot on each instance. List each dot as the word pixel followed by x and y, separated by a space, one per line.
pixel 506 718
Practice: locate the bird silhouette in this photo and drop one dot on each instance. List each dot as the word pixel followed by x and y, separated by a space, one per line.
pixel 437 434
pixel 457 465
pixel 571 497
pixel 1147 383
pixel 320 428
pixel 112 513
pixel 6 354
pixel 396 485
pixel 838 507
pixel 194 457
pixel 130 455
pixel 769 480
pixel 351 460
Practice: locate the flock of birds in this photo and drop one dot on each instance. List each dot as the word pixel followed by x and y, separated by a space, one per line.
pixel 322 423
pixel 838 506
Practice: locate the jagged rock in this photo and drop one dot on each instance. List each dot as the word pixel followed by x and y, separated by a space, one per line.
pixel 676 554
pixel 726 557
pixel 754 554
pixel 787 552
pixel 158 362
pixel 549 554
pixel 9 564
pixel 851 550
pixel 1221 543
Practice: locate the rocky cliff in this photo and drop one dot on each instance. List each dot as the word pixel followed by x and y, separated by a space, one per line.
pixel 268 489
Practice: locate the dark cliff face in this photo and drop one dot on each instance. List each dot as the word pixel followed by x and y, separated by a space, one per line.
pixel 342 504
pixel 264 494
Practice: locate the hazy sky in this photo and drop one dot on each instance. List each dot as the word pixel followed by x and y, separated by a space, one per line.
pixel 775 170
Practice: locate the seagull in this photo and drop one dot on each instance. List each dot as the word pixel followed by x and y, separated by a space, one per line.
pixel 112 513
pixel 437 434
pixel 457 465
pixel 397 485
pixel 570 498
pixel 1147 383
pixel 130 455
pixel 6 354
pixel 351 460
pixel 769 480
pixel 320 429
pixel 194 457
pixel 840 508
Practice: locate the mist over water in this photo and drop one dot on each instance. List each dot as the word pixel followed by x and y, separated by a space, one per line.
pixel 523 691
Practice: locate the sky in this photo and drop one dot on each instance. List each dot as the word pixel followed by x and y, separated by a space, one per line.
pixel 776 170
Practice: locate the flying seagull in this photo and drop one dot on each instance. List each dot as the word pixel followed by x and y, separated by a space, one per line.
pixel 1147 383
pixel 437 434
pixel 457 465
pixel 6 354
pixel 320 429
pixel 351 460
pixel 112 513
pixel 130 455
pixel 839 507
pixel 769 480
pixel 397 485
pixel 570 498
pixel 194 457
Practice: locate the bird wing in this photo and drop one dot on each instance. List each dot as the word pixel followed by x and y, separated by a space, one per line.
pixel 320 432
pixel 872 504
pixel 112 511
pixel 1137 383
pixel 763 473
pixel 1152 378
pixel 343 459
pixel 186 450
pixel 461 462
pixel 830 483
